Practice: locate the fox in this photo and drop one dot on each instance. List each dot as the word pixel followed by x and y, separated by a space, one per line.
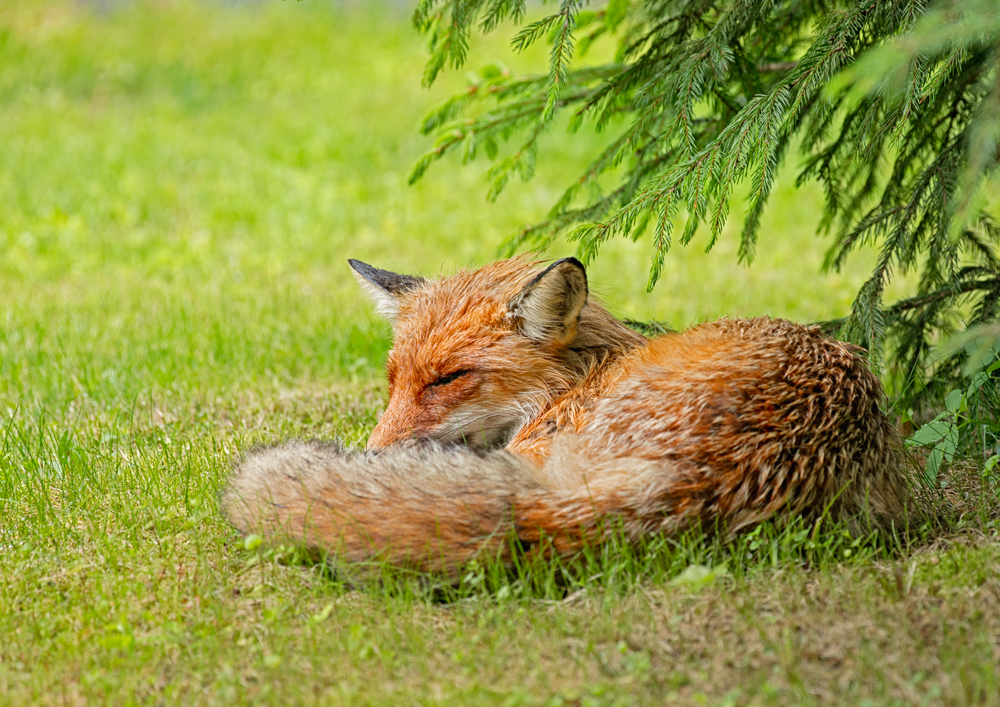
pixel 523 418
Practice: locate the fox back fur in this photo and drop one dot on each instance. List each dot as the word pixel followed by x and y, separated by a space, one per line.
pixel 517 404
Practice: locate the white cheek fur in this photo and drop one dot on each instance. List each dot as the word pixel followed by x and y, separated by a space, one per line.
pixel 483 425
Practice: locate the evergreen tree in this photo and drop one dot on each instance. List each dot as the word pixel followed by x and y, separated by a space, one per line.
pixel 894 106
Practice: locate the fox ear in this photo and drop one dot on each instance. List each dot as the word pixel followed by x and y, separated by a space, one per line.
pixel 384 287
pixel 548 308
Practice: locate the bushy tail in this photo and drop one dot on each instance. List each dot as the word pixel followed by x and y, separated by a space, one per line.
pixel 425 507
pixel 433 508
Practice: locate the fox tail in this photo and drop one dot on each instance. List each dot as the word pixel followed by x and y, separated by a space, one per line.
pixel 434 508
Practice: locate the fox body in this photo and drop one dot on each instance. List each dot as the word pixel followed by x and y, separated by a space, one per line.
pixel 517 404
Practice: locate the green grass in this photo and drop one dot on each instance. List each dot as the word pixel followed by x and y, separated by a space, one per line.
pixel 180 187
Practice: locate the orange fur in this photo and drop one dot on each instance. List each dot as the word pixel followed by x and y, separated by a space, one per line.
pixel 733 421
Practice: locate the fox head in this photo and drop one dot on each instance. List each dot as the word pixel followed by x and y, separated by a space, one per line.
pixel 477 355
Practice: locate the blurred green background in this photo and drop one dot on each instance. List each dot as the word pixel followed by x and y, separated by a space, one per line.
pixel 181 185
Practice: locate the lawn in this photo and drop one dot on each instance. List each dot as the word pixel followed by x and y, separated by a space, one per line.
pixel 180 188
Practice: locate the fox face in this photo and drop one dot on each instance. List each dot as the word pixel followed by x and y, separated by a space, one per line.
pixel 477 355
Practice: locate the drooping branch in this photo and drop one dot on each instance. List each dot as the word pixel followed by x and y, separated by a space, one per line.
pixel 891 106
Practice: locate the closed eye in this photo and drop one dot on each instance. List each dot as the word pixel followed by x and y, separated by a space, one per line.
pixel 445 380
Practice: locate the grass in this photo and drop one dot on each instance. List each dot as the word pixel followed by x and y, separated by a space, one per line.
pixel 180 186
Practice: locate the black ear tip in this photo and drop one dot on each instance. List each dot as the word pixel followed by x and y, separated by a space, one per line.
pixel 570 261
pixel 363 269
pixel 391 282
pixel 558 265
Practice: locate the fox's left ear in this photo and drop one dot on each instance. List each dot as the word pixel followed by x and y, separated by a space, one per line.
pixel 384 287
pixel 548 308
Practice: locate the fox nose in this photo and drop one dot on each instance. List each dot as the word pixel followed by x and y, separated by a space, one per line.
pixel 396 425
pixel 380 437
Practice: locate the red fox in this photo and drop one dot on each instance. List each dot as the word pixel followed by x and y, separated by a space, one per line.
pixel 517 404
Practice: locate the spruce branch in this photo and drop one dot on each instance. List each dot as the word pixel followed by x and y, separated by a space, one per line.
pixel 891 106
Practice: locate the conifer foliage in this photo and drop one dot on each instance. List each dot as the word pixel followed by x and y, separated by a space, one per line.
pixel 892 105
